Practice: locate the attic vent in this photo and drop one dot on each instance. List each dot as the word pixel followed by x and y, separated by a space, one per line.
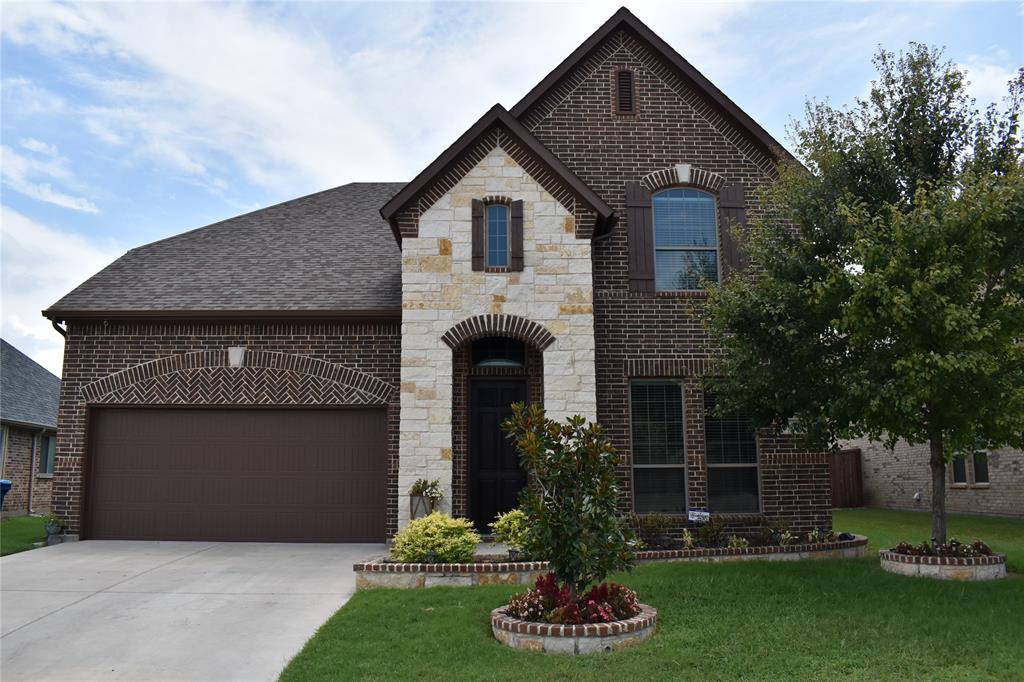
pixel 625 92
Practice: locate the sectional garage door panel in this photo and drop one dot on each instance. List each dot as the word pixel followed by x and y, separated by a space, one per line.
pixel 237 474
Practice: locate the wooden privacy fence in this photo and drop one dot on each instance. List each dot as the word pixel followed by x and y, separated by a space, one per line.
pixel 847 484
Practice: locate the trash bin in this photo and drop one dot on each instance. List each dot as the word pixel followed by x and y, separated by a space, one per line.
pixel 5 485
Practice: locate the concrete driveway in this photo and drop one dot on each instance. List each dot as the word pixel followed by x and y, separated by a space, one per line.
pixel 167 610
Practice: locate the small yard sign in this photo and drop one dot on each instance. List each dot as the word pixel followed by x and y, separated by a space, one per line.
pixel 700 515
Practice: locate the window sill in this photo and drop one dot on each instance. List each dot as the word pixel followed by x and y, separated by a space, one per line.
pixel 689 293
pixel 958 486
pixel 497 270
pixel 44 475
pixel 982 486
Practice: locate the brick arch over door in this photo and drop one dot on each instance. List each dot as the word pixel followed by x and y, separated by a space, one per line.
pixel 683 174
pixel 512 326
pixel 267 377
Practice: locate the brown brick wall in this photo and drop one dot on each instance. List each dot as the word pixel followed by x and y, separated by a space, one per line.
pixel 21 462
pixel 662 335
pixel 891 477
pixel 95 350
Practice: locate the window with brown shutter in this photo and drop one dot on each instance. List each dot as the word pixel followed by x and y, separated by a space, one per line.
pixel 478 234
pixel 732 211
pixel 515 237
pixel 625 92
pixel 640 237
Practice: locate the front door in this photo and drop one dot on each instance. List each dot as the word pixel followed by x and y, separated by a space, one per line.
pixel 495 474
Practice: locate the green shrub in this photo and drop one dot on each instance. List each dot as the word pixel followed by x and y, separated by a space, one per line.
pixel 712 533
pixel 510 528
pixel 652 530
pixel 738 542
pixel 572 500
pixel 451 540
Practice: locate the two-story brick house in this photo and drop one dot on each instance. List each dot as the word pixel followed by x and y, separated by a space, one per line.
pixel 288 374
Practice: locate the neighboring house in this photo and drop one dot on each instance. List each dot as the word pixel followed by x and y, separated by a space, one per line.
pixel 29 397
pixel 987 482
pixel 289 373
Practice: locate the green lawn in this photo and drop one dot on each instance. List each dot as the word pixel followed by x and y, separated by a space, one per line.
pixel 754 620
pixel 886 528
pixel 18 533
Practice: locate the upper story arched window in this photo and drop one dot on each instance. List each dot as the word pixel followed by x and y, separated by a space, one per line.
pixel 496 217
pixel 685 239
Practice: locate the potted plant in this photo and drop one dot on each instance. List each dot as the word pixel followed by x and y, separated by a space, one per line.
pixel 53 524
pixel 423 497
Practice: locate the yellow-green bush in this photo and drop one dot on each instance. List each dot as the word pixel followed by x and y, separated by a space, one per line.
pixel 510 528
pixel 451 540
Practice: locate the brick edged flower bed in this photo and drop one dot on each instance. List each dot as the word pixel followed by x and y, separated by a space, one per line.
pixel 573 639
pixel 381 573
pixel 945 567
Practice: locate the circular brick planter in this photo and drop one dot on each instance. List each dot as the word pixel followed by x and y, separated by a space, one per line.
pixel 945 567
pixel 573 639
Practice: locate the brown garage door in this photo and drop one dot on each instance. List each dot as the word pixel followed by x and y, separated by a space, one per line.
pixel 236 474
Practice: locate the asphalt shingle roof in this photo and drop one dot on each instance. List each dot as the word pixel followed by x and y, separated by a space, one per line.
pixel 29 394
pixel 329 251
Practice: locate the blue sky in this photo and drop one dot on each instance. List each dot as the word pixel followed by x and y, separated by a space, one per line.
pixel 123 123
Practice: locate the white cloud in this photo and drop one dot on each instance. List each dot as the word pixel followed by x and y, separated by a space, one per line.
pixel 191 85
pixel 39 265
pixel 29 176
pixel 988 79
pixel 34 145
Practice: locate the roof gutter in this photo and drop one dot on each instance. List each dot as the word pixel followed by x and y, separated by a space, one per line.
pixel 60 330
pixel 56 316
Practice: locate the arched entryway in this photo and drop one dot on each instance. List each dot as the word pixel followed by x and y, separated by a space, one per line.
pixel 490 372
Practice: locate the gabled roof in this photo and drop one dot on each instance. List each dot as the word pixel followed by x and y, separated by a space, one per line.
pixel 324 255
pixel 624 19
pixel 29 394
pixel 496 116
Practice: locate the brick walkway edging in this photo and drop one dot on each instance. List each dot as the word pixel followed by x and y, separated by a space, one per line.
pixel 573 639
pixel 991 567
pixel 382 573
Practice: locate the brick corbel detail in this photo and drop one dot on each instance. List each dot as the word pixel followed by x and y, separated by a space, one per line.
pixel 369 386
pixel 683 174
pixel 512 326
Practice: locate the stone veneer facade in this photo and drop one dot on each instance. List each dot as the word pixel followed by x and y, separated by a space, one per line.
pixel 440 289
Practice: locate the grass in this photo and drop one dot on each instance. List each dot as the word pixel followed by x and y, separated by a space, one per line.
pixel 885 528
pixel 755 620
pixel 18 533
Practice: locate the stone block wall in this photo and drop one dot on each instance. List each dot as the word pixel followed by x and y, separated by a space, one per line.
pixel 892 477
pixel 440 289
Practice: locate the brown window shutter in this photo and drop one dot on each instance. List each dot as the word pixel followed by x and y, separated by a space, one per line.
pixel 640 233
pixel 515 236
pixel 732 210
pixel 479 244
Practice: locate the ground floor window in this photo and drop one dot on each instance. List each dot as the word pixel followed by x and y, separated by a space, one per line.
pixel 731 446
pixel 980 468
pixel 659 457
pixel 47 452
pixel 959 470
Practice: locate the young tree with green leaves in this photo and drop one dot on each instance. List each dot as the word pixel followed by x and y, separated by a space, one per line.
pixel 572 501
pixel 886 295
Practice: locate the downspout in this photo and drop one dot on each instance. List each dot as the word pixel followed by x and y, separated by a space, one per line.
pixel 60 330
pixel 32 464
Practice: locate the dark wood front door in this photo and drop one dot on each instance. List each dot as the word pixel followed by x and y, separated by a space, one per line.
pixel 495 474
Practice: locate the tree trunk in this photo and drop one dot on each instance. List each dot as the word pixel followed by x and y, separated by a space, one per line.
pixel 938 466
